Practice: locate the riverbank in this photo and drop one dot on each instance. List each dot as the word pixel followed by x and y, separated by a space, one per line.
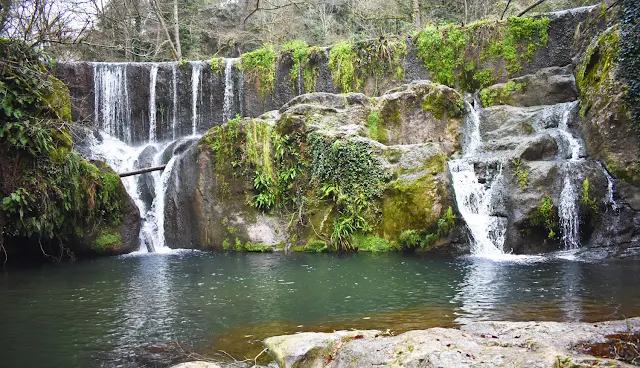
pixel 478 344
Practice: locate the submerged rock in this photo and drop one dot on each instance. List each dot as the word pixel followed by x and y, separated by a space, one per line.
pixel 478 344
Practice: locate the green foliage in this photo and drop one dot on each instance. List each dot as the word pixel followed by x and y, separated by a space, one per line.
pixel 371 243
pixel 260 65
pixel 298 50
pixel 342 63
pixel 222 140
pixel 351 64
pixel 454 54
pixel 520 173
pixel 484 78
pixel 48 191
pixel 311 68
pixel 424 239
pixel 217 65
pixel 593 73
pixel 106 240
pixel 440 100
pixel 546 215
pixel 591 203
pixel 352 178
pixel 376 128
pixel 442 51
pixel 519 41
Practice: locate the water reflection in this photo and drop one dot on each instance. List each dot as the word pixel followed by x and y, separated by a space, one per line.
pixel 481 291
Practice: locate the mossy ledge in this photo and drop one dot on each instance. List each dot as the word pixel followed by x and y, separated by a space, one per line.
pixel 327 176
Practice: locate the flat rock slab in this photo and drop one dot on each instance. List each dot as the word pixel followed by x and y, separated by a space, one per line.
pixel 479 344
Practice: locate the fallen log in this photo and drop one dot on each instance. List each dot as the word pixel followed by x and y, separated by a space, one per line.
pixel 143 171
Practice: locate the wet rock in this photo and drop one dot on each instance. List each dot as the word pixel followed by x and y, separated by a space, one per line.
pixel 197 364
pixel 146 183
pixel 547 86
pixel 479 344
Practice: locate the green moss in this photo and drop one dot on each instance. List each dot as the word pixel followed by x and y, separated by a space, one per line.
pixel 342 63
pixel 442 51
pixel 585 199
pixel 312 246
pixel 260 65
pixel 371 243
pixel 106 240
pixel 298 51
pixel 500 96
pixel 453 54
pixel 519 41
pixel 377 130
pixel 593 71
pixel 255 247
pixel 311 68
pixel 520 173
pixel 440 101
pixel 351 64
pixel 413 204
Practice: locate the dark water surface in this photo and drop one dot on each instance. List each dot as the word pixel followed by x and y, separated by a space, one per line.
pixel 129 311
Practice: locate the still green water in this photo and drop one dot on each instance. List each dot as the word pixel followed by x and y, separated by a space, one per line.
pixel 144 310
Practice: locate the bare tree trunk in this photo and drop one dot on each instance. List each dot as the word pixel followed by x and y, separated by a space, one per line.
pixel 416 14
pixel 156 10
pixel 176 28
pixel 466 13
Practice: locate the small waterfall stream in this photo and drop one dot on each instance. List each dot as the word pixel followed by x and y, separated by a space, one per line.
pixel 153 76
pixel 568 207
pixel 473 197
pixel 125 146
pixel 196 73
pixel 228 89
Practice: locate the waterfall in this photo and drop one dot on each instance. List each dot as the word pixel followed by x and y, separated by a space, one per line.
pixel 568 208
pixel 115 121
pixel 611 201
pixel 112 110
pixel 196 73
pixel 174 98
pixel 153 75
pixel 472 123
pixel 473 197
pixel 228 90
pixel 474 204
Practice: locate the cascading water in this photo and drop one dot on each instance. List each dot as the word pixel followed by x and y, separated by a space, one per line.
pixel 568 208
pixel 196 73
pixel 174 99
pixel 153 76
pixel 112 111
pixel 611 201
pixel 114 120
pixel 473 197
pixel 228 89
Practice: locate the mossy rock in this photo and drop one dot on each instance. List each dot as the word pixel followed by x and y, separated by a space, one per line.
pixel 607 125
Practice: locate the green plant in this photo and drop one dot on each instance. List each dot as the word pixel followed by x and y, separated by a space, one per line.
pixel 521 34
pixel 546 216
pixel 520 173
pixel 342 63
pixel 217 65
pixel 442 51
pixel 373 123
pixel 260 65
pixel 298 50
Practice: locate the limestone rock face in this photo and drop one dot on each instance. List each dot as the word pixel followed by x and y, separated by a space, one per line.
pixel 479 344
pixel 288 177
